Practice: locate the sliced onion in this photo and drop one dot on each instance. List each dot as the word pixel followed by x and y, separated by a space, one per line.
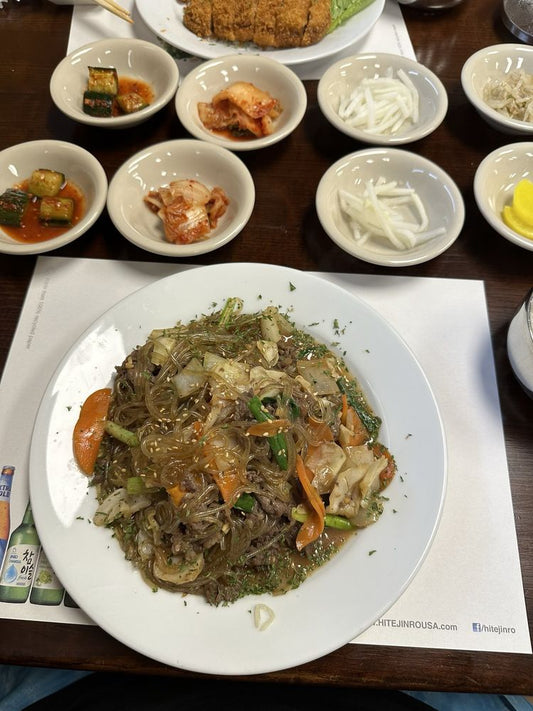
pixel 190 379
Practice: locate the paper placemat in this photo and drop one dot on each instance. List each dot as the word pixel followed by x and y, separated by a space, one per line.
pixel 90 23
pixel 468 593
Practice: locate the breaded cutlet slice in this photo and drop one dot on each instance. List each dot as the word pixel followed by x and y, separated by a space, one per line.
pixel 291 22
pixel 243 20
pixel 223 19
pixel 318 22
pixel 197 17
pixel 265 22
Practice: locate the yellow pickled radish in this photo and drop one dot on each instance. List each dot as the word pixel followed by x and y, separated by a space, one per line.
pixel 511 220
pixel 523 202
pixel 519 215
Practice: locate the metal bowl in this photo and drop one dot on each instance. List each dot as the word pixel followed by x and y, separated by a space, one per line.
pixel 431 4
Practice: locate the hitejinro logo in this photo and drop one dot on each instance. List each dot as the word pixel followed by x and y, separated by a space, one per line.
pixel 498 629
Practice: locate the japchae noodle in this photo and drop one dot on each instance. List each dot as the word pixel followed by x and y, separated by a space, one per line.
pixel 242 453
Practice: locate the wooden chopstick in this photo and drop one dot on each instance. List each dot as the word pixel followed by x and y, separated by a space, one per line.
pixel 116 9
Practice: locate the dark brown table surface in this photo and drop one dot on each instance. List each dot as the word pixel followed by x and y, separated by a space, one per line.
pixel 284 229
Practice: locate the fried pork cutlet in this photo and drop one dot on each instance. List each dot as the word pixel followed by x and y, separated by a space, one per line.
pixel 291 22
pixel 223 19
pixel 318 22
pixel 233 20
pixel 265 22
pixel 197 17
pixel 243 19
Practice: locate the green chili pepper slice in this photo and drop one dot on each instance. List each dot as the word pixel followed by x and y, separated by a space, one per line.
pixel 278 443
pixel 330 520
pixel 121 433
pixel 245 503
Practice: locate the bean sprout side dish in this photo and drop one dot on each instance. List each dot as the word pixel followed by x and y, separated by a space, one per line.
pixel 233 455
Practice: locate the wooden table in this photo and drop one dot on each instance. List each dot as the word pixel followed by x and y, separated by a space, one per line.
pixel 284 229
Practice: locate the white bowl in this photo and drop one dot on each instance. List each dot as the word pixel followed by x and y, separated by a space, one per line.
pixel 438 192
pixel 489 63
pixel 158 165
pixel 79 166
pixel 343 77
pixel 132 58
pixel 494 182
pixel 202 83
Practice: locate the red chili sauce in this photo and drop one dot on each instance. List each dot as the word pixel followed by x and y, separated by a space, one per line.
pixel 32 230
pixel 127 85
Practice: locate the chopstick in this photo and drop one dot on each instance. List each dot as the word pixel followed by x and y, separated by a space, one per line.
pixel 115 8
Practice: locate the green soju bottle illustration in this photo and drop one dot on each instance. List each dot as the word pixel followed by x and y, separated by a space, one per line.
pixel 19 562
pixel 46 588
pixel 6 479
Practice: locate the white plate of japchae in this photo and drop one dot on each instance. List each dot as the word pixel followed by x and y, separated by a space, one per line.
pixel 165 19
pixel 347 592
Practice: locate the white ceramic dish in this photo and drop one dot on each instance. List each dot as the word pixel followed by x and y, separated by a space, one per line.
pixel 520 344
pixel 79 166
pixel 494 183
pixel 157 166
pixel 133 58
pixel 438 192
pixel 202 83
pixel 165 19
pixel 340 80
pixel 350 591
pixel 493 62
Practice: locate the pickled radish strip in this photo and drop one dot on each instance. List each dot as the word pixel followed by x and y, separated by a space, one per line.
pixel 386 209
pixel 381 105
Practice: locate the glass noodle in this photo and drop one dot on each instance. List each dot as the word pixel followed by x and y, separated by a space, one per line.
pixel 242 454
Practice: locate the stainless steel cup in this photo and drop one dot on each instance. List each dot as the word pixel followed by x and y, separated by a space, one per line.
pixel 431 4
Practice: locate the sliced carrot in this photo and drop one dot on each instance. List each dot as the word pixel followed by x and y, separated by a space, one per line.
pixel 344 408
pixel 312 528
pixel 176 493
pixel 309 531
pixel 228 482
pixel 269 429
pixel 198 428
pixel 387 475
pixel 224 467
pixel 322 432
pixel 89 429
pixel 351 420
